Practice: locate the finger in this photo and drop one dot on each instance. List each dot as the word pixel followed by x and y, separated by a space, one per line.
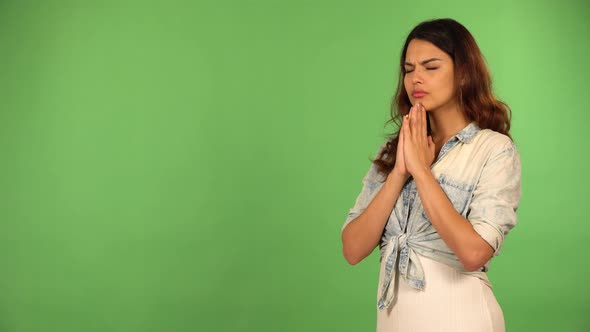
pixel 423 118
pixel 414 120
pixel 419 122
pixel 401 128
pixel 416 124
pixel 400 138
pixel 406 126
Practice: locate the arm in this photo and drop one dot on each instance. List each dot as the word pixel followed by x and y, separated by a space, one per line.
pixel 493 206
pixel 457 232
pixel 363 234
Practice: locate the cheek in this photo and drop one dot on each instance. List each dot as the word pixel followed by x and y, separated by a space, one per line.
pixel 447 90
pixel 407 84
pixel 444 87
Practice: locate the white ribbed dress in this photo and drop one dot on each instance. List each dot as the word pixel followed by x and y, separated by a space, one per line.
pixel 451 302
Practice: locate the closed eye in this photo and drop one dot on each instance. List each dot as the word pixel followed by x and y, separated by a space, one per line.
pixel 431 68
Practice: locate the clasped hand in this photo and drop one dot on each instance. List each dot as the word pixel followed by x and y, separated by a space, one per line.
pixel 415 150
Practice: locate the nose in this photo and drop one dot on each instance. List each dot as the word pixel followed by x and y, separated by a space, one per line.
pixel 417 77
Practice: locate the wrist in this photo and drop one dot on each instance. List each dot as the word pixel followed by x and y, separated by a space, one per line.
pixel 421 173
pixel 399 176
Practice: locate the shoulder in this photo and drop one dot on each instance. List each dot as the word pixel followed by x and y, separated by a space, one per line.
pixel 494 142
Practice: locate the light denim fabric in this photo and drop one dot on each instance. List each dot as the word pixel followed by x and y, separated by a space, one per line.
pixel 480 172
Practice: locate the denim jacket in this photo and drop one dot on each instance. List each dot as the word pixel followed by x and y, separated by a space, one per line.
pixel 479 171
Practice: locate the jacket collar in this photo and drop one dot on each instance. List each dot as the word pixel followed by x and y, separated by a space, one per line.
pixel 467 134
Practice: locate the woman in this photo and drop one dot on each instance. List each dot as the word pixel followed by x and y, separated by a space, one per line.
pixel 442 193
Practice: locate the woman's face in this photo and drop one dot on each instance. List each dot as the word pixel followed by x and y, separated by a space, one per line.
pixel 429 76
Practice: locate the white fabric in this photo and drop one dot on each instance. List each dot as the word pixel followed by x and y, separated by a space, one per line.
pixel 452 301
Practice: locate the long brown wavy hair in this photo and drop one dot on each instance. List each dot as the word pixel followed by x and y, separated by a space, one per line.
pixel 473 85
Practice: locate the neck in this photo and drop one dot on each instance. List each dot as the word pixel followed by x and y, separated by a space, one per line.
pixel 445 123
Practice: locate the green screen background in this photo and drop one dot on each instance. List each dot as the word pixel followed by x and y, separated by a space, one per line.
pixel 188 165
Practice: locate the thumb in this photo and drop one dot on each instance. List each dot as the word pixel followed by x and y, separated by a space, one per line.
pixel 430 144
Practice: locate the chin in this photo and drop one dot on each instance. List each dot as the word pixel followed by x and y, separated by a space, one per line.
pixel 421 102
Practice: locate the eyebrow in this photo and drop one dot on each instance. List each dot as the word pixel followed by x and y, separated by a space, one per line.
pixel 424 62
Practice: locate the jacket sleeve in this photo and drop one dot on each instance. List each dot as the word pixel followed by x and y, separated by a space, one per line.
pixel 372 182
pixel 492 211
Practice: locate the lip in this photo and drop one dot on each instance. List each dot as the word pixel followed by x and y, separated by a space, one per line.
pixel 419 94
